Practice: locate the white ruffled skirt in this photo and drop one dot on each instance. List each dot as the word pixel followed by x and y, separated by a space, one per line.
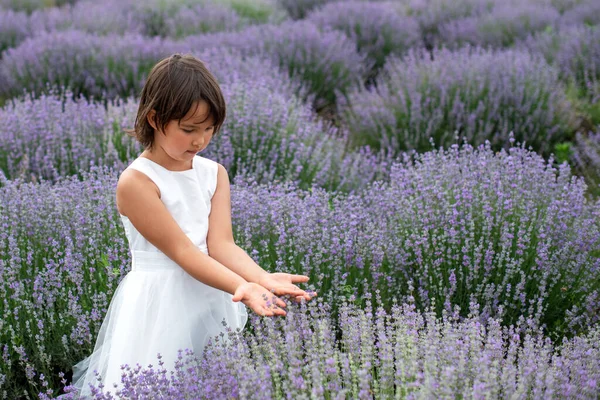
pixel 157 308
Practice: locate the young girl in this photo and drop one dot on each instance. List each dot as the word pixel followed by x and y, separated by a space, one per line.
pixel 188 276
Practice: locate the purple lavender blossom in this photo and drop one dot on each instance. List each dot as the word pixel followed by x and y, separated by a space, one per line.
pixel 432 14
pixel 180 19
pixel 473 93
pixel 501 27
pixel 326 63
pixel 587 12
pixel 299 9
pixel 102 18
pixel 505 231
pixel 269 134
pixel 575 51
pixel 31 5
pixel 585 156
pixel 378 29
pixel 13 28
pixel 309 353
pixel 95 66
pixel 52 137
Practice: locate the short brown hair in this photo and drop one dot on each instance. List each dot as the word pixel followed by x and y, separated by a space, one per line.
pixel 174 84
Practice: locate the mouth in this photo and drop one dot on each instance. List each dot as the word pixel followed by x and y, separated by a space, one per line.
pixel 192 151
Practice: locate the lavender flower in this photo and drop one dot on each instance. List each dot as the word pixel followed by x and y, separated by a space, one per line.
pixel 95 66
pixel 298 9
pixel 102 18
pixel 180 19
pixel 506 232
pixel 13 28
pixel 432 14
pixel 586 12
pixel 377 28
pixel 31 5
pixel 575 51
pixel 585 156
pixel 269 134
pixel 370 353
pixel 326 63
pixel 473 93
pixel 53 137
pixel 501 27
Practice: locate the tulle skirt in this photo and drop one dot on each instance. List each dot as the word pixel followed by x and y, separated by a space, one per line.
pixel 157 308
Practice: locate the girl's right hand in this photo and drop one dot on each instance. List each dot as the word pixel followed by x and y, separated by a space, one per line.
pixel 259 299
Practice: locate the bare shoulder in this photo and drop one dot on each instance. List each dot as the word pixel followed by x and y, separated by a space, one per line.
pixel 132 186
pixel 222 183
pixel 221 173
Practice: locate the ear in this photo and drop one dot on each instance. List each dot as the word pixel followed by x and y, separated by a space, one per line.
pixel 150 118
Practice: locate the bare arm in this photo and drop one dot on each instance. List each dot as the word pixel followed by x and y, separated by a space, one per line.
pixel 220 242
pixel 138 199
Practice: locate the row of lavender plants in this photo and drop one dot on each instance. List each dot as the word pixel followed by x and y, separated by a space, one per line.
pixel 481 238
pixel 370 354
pixel 417 98
pixel 505 231
pixel 543 90
pixel 268 135
pixel 149 18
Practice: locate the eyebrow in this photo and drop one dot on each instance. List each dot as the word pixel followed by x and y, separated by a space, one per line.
pixel 193 123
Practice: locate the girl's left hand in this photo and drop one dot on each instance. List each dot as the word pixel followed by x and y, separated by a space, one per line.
pixel 280 284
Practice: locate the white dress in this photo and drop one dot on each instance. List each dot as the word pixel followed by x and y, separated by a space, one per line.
pixel 158 307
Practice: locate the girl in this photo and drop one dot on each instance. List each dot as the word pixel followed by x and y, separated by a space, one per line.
pixel 188 276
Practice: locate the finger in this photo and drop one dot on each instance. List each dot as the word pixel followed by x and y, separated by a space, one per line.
pixel 300 278
pixel 279 302
pixel 279 311
pixel 273 312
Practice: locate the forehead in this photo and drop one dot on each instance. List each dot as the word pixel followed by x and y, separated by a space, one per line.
pixel 199 113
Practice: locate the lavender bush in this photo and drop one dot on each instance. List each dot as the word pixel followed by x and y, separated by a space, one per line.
pixel 298 9
pixel 13 28
pixel 501 27
pixel 585 156
pixel 432 14
pixel 473 93
pixel 464 225
pixel 325 62
pixel 93 17
pixel 176 19
pixel 587 12
pixel 268 135
pixel 128 17
pixel 504 231
pixel 55 136
pixel 61 257
pixel 575 51
pixel 270 138
pixel 377 28
pixel 257 11
pixel 32 5
pixel 91 65
pixel 369 354
pixel 102 18
pixel 563 6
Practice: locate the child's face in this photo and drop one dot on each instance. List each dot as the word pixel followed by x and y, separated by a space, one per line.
pixel 183 139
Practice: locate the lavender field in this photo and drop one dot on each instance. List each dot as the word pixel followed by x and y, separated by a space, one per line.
pixel 432 165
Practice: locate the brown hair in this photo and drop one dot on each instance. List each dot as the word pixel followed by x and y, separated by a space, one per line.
pixel 174 84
